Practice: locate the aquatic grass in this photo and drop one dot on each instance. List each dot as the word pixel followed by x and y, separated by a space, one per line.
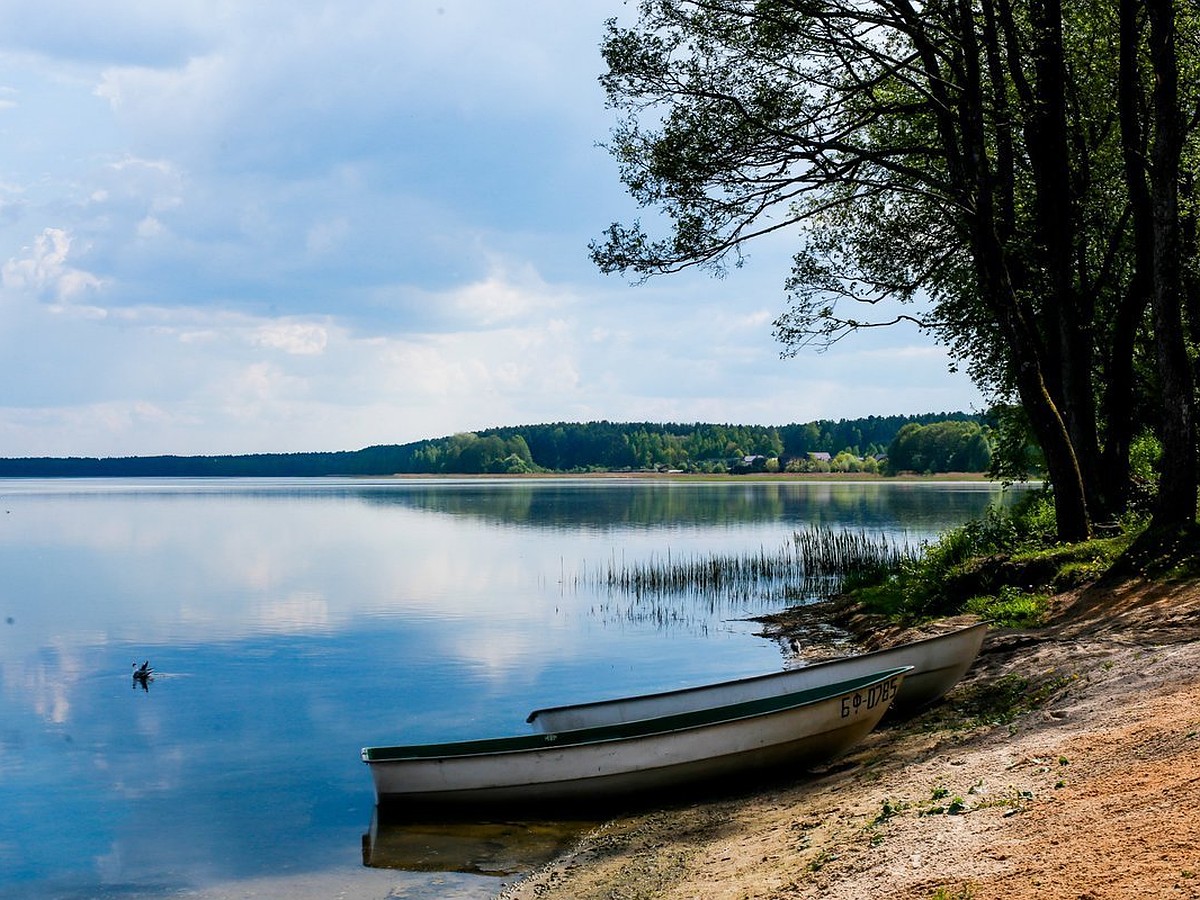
pixel 858 555
pixel 816 563
pixel 674 591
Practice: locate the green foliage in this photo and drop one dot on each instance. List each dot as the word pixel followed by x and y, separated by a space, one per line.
pixel 966 892
pixel 862 437
pixel 927 178
pixel 954 806
pixel 1011 607
pixel 1016 455
pixel 1001 567
pixel 558 447
pixel 1145 453
pixel 888 811
pixel 887 598
pixel 1164 555
pixel 1070 565
pixel 1033 519
pixel 940 447
pixel 927 587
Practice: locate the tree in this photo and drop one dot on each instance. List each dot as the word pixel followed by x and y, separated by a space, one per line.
pixel 959 154
pixel 940 447
pixel 845 462
pixel 1177 489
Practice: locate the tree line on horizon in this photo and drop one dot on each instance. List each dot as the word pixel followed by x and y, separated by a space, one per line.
pixel 932 442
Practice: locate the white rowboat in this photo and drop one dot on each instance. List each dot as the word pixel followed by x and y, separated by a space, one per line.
pixel 938 663
pixel 648 756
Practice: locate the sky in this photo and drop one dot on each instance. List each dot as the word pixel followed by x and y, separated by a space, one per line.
pixel 286 225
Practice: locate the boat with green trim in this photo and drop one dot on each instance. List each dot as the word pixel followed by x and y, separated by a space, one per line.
pixel 639 758
pixel 938 663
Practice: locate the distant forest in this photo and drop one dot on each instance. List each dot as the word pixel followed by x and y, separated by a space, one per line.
pixel 935 442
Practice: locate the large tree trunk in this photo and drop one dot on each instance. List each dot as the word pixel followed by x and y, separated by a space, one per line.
pixel 1070 497
pixel 1178 484
pixel 1067 314
pixel 1190 262
pixel 1041 389
pixel 1118 390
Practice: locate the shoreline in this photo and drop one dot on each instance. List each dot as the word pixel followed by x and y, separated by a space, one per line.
pixel 1088 791
pixel 830 477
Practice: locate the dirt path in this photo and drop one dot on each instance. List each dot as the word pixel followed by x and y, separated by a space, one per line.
pixel 1091 793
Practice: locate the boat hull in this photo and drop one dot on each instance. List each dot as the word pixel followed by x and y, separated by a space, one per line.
pixel 938 663
pixel 644 758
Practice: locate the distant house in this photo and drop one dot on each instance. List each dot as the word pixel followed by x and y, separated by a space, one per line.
pixel 820 456
pixel 751 463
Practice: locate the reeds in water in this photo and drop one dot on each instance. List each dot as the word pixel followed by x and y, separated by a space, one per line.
pixel 843 554
pixel 814 564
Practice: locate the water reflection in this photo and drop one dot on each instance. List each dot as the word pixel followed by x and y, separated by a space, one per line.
pixel 584 502
pixel 283 626
pixel 481 848
pixel 642 504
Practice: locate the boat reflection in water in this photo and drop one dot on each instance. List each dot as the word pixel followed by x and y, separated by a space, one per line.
pixel 477 848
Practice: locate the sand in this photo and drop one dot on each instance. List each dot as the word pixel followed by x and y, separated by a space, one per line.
pixel 1091 793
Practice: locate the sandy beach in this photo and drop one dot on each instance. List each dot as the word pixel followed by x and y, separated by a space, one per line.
pixel 1065 765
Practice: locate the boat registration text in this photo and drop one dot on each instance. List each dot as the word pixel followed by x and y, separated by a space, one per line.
pixel 852 704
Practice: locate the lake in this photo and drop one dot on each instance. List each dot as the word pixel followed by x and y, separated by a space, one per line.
pixel 291 622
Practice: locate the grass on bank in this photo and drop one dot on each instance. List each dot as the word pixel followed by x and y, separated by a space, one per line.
pixel 1003 567
pixel 1006 566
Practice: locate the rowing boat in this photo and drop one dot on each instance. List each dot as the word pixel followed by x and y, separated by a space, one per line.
pixel 938 663
pixel 721 743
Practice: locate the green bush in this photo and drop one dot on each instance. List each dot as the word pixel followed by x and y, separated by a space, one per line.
pixel 1145 453
pixel 989 566
pixel 1011 607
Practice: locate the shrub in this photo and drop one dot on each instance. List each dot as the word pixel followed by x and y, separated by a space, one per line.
pixel 975 560
pixel 1011 607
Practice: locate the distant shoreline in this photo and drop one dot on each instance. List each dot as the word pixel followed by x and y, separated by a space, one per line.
pixel 757 477
pixel 927 442
pixel 706 476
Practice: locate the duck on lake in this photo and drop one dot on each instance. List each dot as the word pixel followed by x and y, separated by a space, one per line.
pixel 143 675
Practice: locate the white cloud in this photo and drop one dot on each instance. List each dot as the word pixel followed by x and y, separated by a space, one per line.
pixel 306 226
pixel 501 297
pixel 43 271
pixel 250 391
pixel 150 227
pixel 299 338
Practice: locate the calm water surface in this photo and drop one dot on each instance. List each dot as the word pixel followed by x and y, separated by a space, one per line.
pixel 291 622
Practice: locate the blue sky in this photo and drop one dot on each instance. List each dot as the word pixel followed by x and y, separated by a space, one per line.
pixel 246 227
